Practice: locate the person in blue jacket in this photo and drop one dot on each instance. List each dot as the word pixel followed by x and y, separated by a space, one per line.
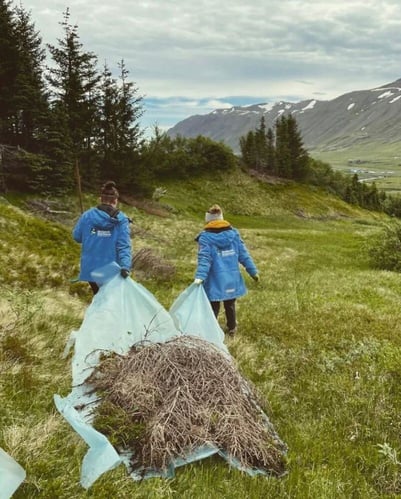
pixel 104 233
pixel 220 251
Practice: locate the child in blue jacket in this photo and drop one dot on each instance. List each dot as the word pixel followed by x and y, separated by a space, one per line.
pixel 220 251
pixel 104 234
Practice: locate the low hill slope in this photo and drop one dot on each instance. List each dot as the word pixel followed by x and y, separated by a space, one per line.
pixel 245 198
pixel 38 253
pixel 35 253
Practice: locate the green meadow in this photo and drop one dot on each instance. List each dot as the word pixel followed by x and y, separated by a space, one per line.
pixel 319 336
pixel 378 162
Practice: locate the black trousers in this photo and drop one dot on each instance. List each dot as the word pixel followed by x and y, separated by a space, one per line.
pixel 94 287
pixel 229 309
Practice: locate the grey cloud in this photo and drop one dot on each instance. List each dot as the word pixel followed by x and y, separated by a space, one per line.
pixel 266 47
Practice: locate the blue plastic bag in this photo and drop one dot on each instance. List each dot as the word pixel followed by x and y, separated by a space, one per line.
pixel 124 313
pixel 101 456
pixel 121 314
pixel 11 475
pixel 193 315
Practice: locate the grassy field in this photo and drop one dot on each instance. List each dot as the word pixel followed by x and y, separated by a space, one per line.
pixel 380 163
pixel 319 336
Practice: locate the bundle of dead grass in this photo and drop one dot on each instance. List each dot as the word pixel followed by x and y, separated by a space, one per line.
pixel 165 400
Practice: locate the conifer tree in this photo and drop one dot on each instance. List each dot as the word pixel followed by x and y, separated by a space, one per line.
pixel 107 139
pixel 29 100
pixel 298 155
pixel 248 149
pixel 261 145
pixel 353 191
pixel 130 110
pixel 59 150
pixel 74 86
pixel 8 71
pixel 270 152
pixel 283 153
pixel 120 133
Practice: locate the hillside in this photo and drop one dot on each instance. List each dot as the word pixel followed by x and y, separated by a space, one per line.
pixel 319 336
pixel 348 121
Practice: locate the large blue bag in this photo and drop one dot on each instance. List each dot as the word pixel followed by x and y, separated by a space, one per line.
pixel 193 315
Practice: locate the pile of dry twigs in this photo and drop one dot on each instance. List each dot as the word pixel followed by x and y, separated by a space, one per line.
pixel 183 394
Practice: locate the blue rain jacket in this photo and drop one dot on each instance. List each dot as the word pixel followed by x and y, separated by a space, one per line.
pixel 104 239
pixel 220 252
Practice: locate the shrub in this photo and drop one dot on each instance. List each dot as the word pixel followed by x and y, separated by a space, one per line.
pixel 150 265
pixel 385 249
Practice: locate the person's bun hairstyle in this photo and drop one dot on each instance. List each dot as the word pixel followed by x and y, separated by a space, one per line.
pixel 109 191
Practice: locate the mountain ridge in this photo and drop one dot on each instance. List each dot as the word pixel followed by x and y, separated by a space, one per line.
pixel 340 123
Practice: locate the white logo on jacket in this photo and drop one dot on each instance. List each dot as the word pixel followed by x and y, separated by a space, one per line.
pixel 229 252
pixel 103 233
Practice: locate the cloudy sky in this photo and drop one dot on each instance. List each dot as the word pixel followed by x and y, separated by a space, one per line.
pixel 193 56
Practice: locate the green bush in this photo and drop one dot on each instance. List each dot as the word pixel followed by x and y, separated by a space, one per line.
pixel 385 249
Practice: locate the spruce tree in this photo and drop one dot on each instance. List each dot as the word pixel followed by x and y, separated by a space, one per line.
pixel 128 133
pixel 270 152
pixel 30 100
pixel 130 110
pixel 298 156
pixel 59 149
pixel 354 190
pixel 107 139
pixel 9 60
pixel 248 149
pixel 283 153
pixel 120 133
pixel 261 145
pixel 74 86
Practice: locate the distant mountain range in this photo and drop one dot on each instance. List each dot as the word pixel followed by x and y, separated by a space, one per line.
pixel 346 121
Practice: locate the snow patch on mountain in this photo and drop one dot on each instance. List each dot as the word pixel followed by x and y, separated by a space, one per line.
pixel 311 105
pixel 386 94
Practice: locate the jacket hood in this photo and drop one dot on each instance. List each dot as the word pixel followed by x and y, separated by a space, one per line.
pixel 221 240
pixel 102 220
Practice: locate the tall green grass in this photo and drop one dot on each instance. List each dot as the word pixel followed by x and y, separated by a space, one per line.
pixel 319 336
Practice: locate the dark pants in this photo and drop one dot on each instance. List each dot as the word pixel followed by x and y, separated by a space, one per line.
pixel 94 287
pixel 229 308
